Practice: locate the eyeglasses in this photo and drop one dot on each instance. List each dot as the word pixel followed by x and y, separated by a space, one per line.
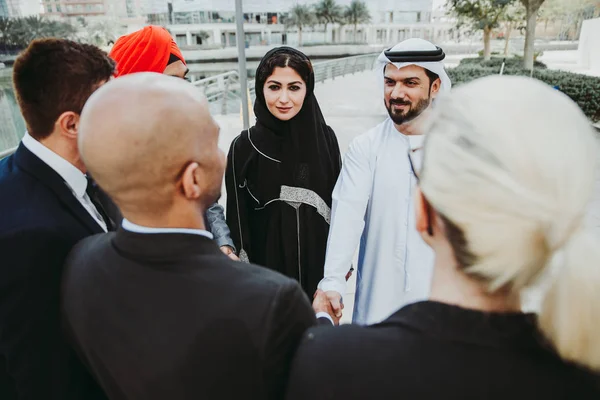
pixel 415 158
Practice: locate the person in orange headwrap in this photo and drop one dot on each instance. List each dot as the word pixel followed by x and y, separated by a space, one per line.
pixel 152 49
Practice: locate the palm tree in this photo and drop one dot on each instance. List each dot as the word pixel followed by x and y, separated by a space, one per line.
pixel 328 12
pixel 300 17
pixel 60 29
pixel 6 31
pixel 21 31
pixel 30 28
pixel 357 13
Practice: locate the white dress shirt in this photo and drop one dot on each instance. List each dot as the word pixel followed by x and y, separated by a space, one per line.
pixel 131 227
pixel 73 177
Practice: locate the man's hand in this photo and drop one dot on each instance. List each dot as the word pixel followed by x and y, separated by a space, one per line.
pixel 228 251
pixel 335 302
pixel 322 303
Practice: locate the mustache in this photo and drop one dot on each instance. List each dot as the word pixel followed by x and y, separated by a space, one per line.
pixel 400 102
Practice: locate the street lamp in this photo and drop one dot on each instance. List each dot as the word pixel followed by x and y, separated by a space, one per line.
pixel 241 42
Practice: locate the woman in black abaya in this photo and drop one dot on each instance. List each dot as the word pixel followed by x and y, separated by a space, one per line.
pixel 281 173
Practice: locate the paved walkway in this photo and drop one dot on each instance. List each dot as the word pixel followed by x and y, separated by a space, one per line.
pixel 352 105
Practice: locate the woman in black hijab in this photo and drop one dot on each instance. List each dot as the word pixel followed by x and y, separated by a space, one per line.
pixel 281 173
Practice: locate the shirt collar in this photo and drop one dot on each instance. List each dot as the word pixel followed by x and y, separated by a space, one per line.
pixel 131 227
pixel 74 178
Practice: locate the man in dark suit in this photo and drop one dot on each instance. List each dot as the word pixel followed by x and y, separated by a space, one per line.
pixel 156 310
pixel 46 207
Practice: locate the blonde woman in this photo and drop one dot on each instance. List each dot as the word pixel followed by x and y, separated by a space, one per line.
pixel 505 177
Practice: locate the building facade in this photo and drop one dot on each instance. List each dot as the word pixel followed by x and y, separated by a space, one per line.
pixel 74 8
pixel 20 8
pixel 4 13
pixel 212 22
pixel 270 11
pixel 117 9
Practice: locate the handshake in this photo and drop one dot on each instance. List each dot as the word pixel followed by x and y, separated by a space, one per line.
pixel 330 302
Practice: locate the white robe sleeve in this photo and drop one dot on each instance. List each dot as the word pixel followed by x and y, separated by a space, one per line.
pixel 349 204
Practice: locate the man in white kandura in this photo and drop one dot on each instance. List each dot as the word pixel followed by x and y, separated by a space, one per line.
pixel 373 195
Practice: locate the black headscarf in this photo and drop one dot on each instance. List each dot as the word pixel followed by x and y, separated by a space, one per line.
pixel 301 153
pixel 305 145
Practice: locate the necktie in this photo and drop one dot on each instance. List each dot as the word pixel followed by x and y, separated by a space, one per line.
pixel 92 191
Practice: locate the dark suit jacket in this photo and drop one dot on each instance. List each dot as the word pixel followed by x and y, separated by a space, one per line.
pixel 433 351
pixel 40 221
pixel 168 316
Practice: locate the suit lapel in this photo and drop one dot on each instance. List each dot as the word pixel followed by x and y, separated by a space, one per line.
pixel 32 164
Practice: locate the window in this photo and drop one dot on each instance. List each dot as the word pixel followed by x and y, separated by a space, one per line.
pixel 405 17
pixel 181 40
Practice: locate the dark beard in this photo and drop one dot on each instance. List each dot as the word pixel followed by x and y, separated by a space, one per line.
pixel 412 113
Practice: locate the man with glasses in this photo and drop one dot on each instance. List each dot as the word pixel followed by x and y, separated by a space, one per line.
pixel 372 201
pixel 152 49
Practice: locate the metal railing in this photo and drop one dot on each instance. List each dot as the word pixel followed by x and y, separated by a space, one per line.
pixel 220 90
pixel 223 91
pixel 343 66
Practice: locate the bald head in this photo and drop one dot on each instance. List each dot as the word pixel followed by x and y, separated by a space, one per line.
pixel 140 134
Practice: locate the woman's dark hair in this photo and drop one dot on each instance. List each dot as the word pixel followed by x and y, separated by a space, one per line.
pixel 285 57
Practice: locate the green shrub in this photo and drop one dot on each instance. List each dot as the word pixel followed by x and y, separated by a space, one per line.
pixel 582 89
pixel 493 53
pixel 496 62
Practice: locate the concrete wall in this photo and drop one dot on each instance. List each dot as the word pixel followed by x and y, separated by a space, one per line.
pixel 589 45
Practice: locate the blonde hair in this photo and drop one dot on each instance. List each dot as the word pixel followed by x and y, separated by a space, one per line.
pixel 510 162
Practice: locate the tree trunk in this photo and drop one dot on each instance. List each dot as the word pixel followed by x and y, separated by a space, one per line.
pixel 300 36
pixel 325 34
pixel 562 29
pixel 507 38
pixel 355 33
pixel 530 37
pixel 579 26
pixel 335 36
pixel 487 48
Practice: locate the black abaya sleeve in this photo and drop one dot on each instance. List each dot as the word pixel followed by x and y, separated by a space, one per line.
pixel 237 212
pixel 336 157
